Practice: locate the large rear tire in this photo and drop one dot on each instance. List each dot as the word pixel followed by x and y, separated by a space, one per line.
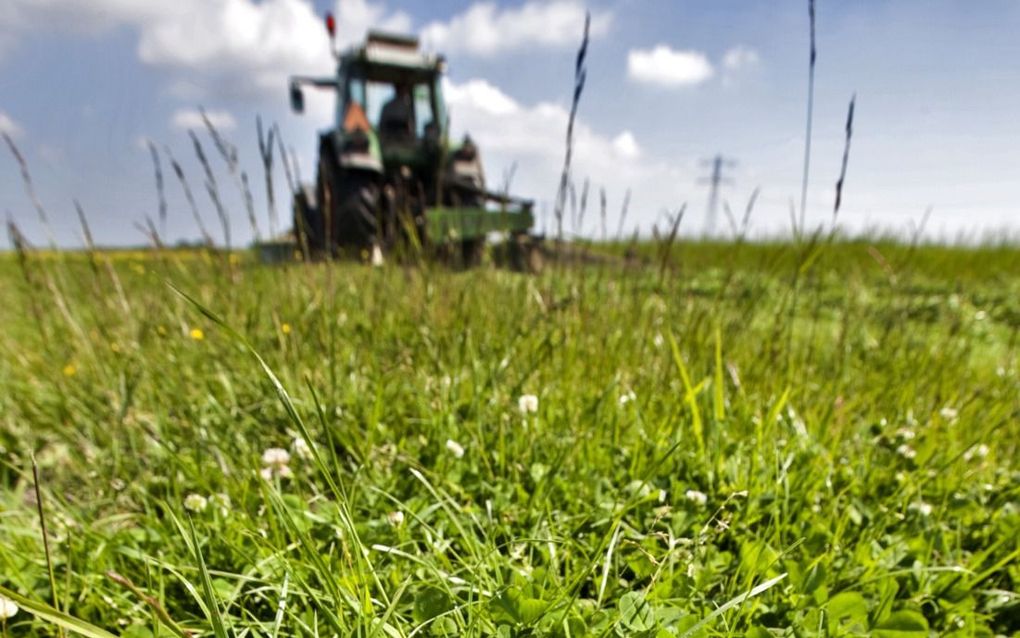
pixel 350 201
pixel 472 252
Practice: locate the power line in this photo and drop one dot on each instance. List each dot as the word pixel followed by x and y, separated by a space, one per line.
pixel 717 164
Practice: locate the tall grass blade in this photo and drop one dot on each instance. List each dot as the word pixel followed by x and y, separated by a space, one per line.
pixel 62 621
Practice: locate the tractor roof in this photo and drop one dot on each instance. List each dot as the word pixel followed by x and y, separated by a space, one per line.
pixel 394 53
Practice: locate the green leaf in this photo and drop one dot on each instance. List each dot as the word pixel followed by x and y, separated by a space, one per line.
pixel 431 603
pixel 44 612
pixel 635 612
pixel 137 631
pixel 815 578
pixel 730 604
pixel 691 393
pixel 511 606
pixel 902 624
pixel 847 608
pixel 208 591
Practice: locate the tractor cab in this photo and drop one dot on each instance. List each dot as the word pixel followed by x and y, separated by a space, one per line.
pixel 390 88
pixel 389 103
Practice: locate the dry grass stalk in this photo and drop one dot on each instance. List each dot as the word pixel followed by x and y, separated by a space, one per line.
pixel 157 168
pixel 846 159
pixel 212 188
pixel 190 197
pixel 602 212
pixel 812 59
pixel 94 258
pixel 667 244
pixel 624 209
pixel 580 75
pixel 266 149
pixel 229 154
pixel 26 178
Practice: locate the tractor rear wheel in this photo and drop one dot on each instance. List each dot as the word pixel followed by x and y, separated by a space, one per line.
pixel 350 203
pixel 526 254
pixel 472 251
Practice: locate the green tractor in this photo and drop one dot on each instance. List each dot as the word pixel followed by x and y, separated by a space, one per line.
pixel 388 175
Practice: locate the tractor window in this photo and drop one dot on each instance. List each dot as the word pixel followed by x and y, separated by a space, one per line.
pixel 357 91
pixel 377 96
pixel 394 115
pixel 423 108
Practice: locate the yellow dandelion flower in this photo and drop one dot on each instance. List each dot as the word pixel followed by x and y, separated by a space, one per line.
pixel 197 334
pixel 70 370
pixel 285 328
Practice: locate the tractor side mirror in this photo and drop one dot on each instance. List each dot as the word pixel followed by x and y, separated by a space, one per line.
pixel 297 98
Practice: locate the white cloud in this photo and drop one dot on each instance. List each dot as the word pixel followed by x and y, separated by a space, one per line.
pixel 480 95
pixel 222 47
pixel 486 29
pixel 185 119
pixel 355 17
pixel 8 125
pixel 241 44
pixel 626 146
pixel 740 57
pixel 665 66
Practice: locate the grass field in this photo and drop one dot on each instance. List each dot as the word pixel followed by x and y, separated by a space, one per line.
pixel 737 440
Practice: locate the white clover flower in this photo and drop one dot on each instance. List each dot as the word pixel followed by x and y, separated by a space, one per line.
pixel 275 461
pixel 920 507
pixel 696 497
pixel 980 315
pixel 527 404
pixel 906 451
pixel 222 502
pixel 8 608
pixel 948 413
pixel 979 451
pixel 301 449
pixel 196 503
pixel 658 340
pixel 906 434
pixel 455 448
pixel 396 519
pixel 627 397
pixel 275 457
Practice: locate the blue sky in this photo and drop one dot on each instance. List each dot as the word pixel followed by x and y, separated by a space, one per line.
pixel 670 82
